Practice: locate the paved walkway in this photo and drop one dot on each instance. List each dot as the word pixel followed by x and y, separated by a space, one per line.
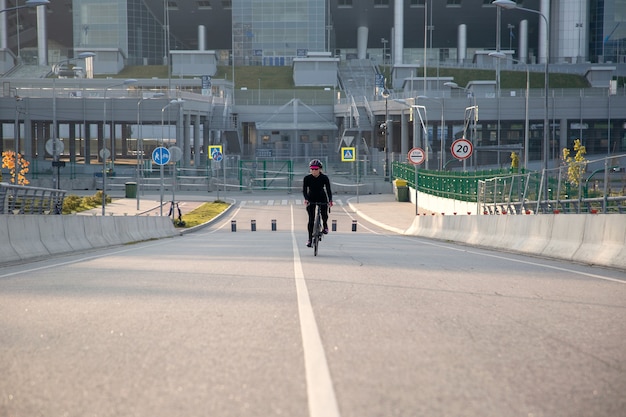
pixel 380 209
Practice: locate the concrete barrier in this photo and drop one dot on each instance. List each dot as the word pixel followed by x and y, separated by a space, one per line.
pixel 6 249
pixel 52 232
pixel 25 237
pixel 35 236
pixel 604 241
pixel 598 239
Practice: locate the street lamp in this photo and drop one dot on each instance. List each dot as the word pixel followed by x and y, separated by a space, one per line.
pixel 82 55
pixel 501 55
pixel 140 143
pixel 385 95
pixel 468 111
pixel 104 152
pixel 16 134
pixel 28 3
pixel 442 128
pixel 171 103
pixel 508 4
pixel 55 70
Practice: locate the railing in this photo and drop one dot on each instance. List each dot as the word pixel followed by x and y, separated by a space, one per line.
pixel 18 199
pixel 600 187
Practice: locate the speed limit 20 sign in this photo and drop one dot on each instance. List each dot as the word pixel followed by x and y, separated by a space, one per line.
pixel 462 149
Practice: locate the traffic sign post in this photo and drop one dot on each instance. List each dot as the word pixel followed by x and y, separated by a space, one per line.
pixel 462 149
pixel 348 154
pixel 416 156
pixel 161 155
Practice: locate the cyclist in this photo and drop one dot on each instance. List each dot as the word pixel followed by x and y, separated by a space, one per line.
pixel 316 189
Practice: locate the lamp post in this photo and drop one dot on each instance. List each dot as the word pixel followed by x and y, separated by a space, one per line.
pixel 82 55
pixel 104 152
pixel 385 95
pixel 501 55
pixel 16 130
pixel 442 129
pixel 384 42
pixel 171 103
pixel 508 4
pixel 468 111
pixel 140 143
pixel 28 3
pixel 55 70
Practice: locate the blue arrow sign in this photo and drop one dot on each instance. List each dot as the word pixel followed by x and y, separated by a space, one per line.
pixel 161 155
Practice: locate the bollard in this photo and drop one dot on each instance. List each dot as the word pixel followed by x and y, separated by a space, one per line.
pixel 273 225
pixel 233 225
pixel 334 226
pixel 354 225
pixel 253 225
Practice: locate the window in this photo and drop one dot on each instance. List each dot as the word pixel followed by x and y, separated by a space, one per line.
pixel 227 4
pixel 454 3
pixel 417 3
pixel 381 3
pixel 344 3
pixel 204 5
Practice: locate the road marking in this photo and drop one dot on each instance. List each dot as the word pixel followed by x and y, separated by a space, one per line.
pixel 320 391
pixel 463 248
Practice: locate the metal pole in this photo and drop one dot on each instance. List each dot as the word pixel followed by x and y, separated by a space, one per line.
pixel 104 153
pixel 385 95
pixel 104 148
pixel 508 4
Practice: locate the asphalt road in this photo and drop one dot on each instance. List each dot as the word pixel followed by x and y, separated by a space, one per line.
pixel 235 324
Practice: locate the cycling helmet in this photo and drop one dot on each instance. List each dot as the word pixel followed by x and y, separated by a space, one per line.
pixel 315 163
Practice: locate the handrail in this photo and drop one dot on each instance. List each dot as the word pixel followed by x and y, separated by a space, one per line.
pixel 18 199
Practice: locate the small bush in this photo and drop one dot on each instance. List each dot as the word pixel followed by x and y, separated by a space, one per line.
pixel 73 203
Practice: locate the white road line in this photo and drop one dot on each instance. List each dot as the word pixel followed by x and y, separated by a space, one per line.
pixel 320 391
pixel 534 262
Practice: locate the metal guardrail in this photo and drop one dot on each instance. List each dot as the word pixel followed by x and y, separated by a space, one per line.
pixel 19 199
pixel 600 188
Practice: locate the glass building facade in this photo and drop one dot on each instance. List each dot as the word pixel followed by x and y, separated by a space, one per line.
pixel 608 31
pixel 273 32
pixel 125 24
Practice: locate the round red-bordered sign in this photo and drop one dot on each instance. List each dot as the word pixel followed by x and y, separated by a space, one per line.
pixel 416 156
pixel 462 149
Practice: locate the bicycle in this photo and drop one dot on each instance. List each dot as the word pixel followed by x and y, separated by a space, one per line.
pixel 177 222
pixel 317 227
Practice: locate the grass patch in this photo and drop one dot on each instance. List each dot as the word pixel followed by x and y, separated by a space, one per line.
pixel 74 204
pixel 205 213
pixel 281 78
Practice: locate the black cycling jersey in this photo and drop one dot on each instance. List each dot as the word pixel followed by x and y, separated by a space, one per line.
pixel 313 189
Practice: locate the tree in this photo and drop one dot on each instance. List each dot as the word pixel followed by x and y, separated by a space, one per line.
pixel 514 162
pixel 8 161
pixel 575 166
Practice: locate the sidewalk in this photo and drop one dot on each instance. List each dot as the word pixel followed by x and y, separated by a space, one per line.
pixel 380 209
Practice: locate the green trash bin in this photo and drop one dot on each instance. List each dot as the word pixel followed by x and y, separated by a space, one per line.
pixel 401 190
pixel 131 190
pixel 403 194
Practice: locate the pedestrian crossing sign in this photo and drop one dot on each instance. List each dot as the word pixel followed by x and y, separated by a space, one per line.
pixel 348 154
pixel 213 149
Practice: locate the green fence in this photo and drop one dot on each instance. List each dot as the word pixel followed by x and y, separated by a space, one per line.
pixel 601 189
pixel 461 186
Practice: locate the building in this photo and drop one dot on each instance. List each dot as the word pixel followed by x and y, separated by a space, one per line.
pixel 410 36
